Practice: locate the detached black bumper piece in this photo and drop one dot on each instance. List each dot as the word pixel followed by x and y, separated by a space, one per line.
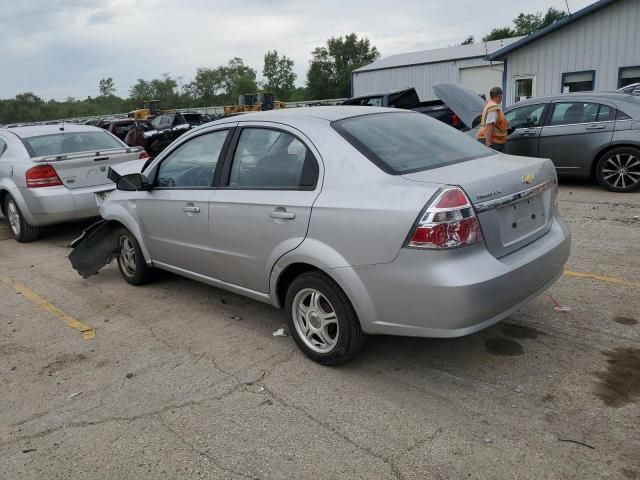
pixel 95 248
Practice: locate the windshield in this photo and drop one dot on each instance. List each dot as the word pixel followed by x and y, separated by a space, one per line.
pixel 64 143
pixel 408 142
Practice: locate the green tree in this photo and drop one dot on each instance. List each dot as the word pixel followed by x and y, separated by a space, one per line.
pixel 278 74
pixel 237 79
pixel 165 90
pixel 141 91
pixel 526 24
pixel 206 85
pixel 468 41
pixel 107 87
pixel 329 74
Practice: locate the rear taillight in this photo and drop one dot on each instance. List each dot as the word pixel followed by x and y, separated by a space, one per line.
pixel 42 176
pixel 144 155
pixel 455 121
pixel 449 222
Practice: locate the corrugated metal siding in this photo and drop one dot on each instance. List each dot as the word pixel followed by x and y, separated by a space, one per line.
pixel 421 77
pixel 603 41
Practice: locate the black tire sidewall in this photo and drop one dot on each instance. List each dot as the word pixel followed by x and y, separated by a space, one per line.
pixel 348 323
pixel 28 233
pixel 605 157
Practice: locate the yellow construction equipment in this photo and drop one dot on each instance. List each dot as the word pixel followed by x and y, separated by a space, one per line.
pixel 149 110
pixel 254 102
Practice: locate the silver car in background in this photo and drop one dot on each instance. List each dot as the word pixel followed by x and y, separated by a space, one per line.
pixel 56 173
pixel 355 220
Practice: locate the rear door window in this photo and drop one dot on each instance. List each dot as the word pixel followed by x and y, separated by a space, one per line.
pixel 72 142
pixel 271 159
pixel 408 142
pixel 567 113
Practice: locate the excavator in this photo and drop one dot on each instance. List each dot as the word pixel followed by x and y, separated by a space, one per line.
pixel 254 102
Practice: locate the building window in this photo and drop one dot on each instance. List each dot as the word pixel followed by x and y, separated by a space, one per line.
pixel 578 81
pixel 628 75
pixel 523 88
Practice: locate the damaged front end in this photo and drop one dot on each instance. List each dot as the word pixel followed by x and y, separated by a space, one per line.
pixel 95 248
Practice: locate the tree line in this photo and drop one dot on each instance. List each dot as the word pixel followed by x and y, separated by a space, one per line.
pixel 328 77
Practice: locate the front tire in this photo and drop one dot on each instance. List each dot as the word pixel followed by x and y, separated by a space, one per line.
pixel 21 230
pixel 131 262
pixel 322 321
pixel 618 170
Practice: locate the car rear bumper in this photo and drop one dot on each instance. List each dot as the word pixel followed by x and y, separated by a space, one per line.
pixel 50 205
pixel 456 292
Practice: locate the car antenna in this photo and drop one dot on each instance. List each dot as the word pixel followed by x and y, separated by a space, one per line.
pixel 62 126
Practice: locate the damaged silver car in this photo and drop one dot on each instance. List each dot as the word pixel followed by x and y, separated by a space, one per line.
pixel 354 220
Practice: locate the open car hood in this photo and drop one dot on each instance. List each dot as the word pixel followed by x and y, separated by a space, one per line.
pixel 465 103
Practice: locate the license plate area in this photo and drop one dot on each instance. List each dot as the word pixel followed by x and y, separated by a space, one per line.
pixel 521 219
pixel 102 196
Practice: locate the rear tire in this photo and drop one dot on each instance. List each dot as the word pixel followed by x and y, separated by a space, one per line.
pixel 322 320
pixel 21 230
pixel 618 170
pixel 131 262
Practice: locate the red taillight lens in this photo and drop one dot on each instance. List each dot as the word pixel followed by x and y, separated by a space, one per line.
pixel 144 155
pixel 455 121
pixel 42 176
pixel 449 223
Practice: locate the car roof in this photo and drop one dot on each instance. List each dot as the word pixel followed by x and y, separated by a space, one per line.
pixel 38 130
pixel 324 113
pixel 611 96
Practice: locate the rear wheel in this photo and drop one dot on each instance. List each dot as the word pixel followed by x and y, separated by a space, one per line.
pixel 21 230
pixel 322 321
pixel 618 170
pixel 131 262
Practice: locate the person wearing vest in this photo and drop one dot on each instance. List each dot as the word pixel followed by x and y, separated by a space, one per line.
pixel 493 124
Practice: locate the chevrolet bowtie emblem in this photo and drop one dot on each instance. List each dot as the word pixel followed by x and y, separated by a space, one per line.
pixel 528 178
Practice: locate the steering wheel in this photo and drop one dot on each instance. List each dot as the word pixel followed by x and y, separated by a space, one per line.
pixel 196 177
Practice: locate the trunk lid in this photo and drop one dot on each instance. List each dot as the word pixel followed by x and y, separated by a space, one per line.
pixel 465 103
pixel 514 197
pixel 89 169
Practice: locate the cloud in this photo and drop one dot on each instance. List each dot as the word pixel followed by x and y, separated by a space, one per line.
pixel 63 48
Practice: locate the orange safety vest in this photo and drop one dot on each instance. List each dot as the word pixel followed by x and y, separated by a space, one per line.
pixel 500 126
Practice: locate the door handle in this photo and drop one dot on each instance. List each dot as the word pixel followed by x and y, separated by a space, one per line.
pixel 191 209
pixel 595 127
pixel 529 133
pixel 282 214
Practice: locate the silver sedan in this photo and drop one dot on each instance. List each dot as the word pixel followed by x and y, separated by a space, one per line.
pixel 354 220
pixel 56 173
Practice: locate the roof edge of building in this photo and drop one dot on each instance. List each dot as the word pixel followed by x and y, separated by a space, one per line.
pixel 588 10
pixel 417 64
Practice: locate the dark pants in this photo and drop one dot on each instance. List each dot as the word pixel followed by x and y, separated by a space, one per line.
pixel 496 146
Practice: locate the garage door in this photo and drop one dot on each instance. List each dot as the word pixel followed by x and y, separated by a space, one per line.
pixel 482 79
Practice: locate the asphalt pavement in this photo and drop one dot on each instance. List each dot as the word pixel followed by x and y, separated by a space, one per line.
pixel 175 380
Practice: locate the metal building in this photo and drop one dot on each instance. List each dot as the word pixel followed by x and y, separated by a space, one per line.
pixel 596 48
pixel 464 64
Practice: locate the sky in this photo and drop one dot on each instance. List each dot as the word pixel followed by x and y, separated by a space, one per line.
pixel 62 48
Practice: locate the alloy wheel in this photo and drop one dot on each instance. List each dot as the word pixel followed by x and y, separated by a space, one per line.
pixel 14 217
pixel 621 170
pixel 127 258
pixel 315 320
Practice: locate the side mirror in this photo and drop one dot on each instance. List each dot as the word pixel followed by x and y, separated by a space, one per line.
pixel 133 182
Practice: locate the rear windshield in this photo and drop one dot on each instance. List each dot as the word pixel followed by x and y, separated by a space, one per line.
pixel 408 142
pixel 63 143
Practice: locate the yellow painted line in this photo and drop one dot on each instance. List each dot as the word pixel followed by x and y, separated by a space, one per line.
pixel 87 332
pixel 601 278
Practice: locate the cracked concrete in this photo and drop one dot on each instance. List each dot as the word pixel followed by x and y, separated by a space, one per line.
pixel 175 386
